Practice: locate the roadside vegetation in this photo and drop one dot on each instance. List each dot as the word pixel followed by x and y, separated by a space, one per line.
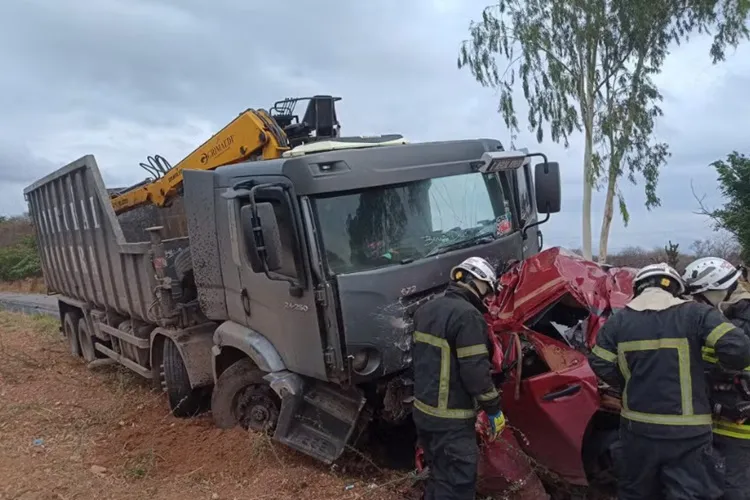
pixel 19 257
pixel 20 267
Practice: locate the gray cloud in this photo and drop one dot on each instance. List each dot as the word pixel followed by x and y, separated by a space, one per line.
pixel 125 79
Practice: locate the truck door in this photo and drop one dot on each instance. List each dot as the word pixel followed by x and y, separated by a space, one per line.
pixel 284 314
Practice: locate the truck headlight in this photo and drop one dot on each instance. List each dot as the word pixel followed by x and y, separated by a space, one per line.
pixel 365 361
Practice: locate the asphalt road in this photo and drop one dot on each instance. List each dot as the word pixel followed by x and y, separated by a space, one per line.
pixel 29 303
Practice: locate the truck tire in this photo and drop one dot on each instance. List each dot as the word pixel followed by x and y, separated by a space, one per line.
pixel 241 397
pixel 184 401
pixel 70 330
pixel 86 341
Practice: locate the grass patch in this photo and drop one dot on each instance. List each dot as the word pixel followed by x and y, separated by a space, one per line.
pixel 141 466
pixel 12 322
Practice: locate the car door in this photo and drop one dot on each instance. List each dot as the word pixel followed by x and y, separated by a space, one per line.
pixel 554 408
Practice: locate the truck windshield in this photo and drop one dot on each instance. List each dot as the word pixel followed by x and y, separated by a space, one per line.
pixel 390 225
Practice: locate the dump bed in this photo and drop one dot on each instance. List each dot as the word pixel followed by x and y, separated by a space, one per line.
pixel 88 254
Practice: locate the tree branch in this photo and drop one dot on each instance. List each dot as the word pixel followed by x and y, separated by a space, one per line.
pixel 703 210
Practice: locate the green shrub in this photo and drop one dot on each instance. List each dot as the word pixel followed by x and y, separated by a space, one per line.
pixel 20 260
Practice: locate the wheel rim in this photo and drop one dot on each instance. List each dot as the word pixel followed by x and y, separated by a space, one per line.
pixel 257 408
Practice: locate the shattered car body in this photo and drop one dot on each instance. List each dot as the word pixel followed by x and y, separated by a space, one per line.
pixel 542 325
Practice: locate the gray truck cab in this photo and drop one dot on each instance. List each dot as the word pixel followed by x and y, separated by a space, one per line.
pixel 313 265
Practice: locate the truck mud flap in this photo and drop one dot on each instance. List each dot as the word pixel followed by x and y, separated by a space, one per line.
pixel 319 421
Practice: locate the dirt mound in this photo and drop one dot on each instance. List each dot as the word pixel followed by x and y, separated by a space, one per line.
pixel 70 433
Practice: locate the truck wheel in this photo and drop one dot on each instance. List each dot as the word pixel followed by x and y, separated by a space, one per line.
pixel 70 329
pixel 86 341
pixel 184 401
pixel 241 397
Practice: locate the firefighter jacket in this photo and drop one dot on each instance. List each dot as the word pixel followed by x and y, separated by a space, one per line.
pixel 737 310
pixel 452 367
pixel 652 350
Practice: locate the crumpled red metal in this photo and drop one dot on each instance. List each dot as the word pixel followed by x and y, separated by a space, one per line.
pixel 548 413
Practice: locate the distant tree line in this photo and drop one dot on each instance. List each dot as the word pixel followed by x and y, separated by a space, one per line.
pixel 722 245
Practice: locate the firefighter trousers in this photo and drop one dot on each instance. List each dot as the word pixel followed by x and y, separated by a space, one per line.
pixel 671 469
pixel 736 453
pixel 453 456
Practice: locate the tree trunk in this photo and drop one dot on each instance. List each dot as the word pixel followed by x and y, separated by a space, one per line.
pixel 609 210
pixel 587 184
pixel 588 123
pixel 616 156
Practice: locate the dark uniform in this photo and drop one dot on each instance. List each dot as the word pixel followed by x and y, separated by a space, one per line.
pixel 452 369
pixel 731 439
pixel 654 355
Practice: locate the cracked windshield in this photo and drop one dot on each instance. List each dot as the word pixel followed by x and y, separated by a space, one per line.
pixel 397 224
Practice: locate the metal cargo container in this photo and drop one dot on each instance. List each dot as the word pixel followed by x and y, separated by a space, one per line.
pixel 88 254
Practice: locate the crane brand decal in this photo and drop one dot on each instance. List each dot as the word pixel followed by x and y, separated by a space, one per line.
pixel 217 149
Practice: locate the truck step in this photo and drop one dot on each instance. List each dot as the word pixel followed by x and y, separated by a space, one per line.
pixel 314 443
pixel 101 362
pixel 320 421
pixel 128 363
pixel 344 407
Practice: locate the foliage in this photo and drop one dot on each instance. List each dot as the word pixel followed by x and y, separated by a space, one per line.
pixel 734 184
pixel 672 254
pixel 723 245
pixel 20 261
pixel 585 65
pixel 19 256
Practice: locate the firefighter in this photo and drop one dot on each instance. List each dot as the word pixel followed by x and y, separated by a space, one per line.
pixel 452 371
pixel 651 350
pixel 715 282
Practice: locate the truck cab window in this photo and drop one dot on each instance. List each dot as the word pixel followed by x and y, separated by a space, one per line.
pixel 389 225
pixel 524 193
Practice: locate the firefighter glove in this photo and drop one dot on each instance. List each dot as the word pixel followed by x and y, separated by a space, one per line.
pixel 497 424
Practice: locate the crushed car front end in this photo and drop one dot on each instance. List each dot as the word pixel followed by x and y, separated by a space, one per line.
pixel 562 421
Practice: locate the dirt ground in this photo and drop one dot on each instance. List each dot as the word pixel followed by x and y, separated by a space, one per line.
pixel 68 432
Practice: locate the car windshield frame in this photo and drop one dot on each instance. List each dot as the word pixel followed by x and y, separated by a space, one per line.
pixel 382 226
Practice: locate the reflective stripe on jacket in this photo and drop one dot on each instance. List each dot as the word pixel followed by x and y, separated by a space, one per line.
pixel 737 310
pixel 654 355
pixel 452 368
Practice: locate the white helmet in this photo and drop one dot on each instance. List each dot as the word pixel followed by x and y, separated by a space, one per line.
pixel 710 273
pixel 479 269
pixel 668 274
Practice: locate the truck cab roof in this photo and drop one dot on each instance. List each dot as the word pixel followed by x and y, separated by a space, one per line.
pixel 337 170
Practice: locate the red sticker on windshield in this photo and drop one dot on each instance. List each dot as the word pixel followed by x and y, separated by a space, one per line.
pixel 502 225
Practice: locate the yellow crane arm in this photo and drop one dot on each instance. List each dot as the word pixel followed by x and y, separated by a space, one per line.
pixel 254 134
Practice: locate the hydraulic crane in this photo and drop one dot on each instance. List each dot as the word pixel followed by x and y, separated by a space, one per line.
pixel 254 135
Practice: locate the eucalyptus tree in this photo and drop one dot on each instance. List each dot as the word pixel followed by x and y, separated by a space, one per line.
pixel 587 66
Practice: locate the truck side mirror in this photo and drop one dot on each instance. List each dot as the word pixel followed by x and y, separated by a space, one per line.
pixel 262 238
pixel 547 187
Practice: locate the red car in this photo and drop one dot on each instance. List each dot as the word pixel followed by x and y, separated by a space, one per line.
pixel 562 426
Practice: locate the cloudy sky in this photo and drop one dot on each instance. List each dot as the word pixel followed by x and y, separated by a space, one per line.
pixel 123 79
